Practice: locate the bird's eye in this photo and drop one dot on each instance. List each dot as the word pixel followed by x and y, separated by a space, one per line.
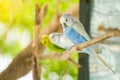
pixel 44 42
pixel 52 36
pixel 66 20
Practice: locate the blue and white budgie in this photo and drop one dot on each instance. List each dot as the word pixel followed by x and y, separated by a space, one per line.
pixel 62 41
pixel 74 30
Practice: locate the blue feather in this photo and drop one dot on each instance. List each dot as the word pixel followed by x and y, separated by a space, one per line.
pixel 75 37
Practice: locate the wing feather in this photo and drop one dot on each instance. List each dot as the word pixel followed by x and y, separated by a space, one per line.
pixel 80 29
pixel 60 40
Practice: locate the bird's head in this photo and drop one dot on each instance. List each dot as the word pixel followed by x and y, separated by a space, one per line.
pixel 45 40
pixel 54 37
pixel 67 20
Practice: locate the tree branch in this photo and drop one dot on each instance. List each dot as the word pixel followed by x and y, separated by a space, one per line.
pixel 57 56
pixel 39 16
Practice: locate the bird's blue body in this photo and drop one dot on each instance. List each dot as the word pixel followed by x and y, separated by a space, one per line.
pixel 74 36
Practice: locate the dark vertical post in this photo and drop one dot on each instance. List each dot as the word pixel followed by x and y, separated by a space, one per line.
pixel 85 14
pixel 83 73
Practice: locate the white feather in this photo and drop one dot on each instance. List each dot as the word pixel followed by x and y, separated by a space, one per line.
pixel 80 29
pixel 60 40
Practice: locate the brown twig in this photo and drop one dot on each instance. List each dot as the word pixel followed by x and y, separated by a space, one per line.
pixel 57 7
pixel 73 62
pixel 57 56
pixel 102 28
pixel 39 15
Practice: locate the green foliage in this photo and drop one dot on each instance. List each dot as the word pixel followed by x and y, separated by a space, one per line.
pixel 17 13
pixel 12 49
pixel 60 67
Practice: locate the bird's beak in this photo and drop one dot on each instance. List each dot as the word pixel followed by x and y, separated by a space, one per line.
pixel 65 24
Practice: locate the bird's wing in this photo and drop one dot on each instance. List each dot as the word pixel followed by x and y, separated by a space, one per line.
pixel 65 42
pixel 61 41
pixel 97 56
pixel 80 29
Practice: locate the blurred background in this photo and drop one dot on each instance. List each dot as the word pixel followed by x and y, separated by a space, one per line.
pixel 106 13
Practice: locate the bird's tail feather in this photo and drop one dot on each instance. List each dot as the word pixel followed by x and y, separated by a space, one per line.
pixel 96 54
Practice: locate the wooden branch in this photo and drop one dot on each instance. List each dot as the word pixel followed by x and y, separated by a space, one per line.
pixel 39 16
pixel 73 62
pixel 109 33
pixel 21 64
pixel 57 56
pixel 35 69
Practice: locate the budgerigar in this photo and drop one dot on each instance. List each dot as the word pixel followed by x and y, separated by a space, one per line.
pixel 46 42
pixel 74 30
